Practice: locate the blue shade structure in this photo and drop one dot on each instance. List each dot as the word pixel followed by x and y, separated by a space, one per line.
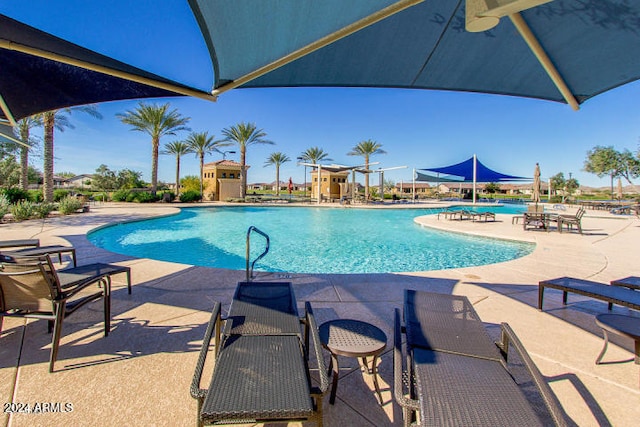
pixel 464 172
pixel 41 72
pixel 587 47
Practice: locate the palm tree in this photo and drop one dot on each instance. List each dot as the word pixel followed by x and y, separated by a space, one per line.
pixel 57 119
pixel 201 144
pixel 178 149
pixel 314 155
pixel 366 149
pixel 24 128
pixel 277 159
pixel 244 134
pixel 156 121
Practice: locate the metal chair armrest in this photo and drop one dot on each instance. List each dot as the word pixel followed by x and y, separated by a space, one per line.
pixel 213 326
pixel 313 333
pixel 510 339
pixel 398 371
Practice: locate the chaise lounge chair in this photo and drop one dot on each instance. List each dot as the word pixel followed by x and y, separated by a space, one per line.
pixel 31 247
pixel 262 335
pixel 31 288
pixel 571 220
pixel 456 375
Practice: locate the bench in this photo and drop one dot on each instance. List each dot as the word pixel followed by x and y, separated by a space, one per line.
pixel 610 294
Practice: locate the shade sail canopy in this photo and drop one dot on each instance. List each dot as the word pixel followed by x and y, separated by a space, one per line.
pixel 464 171
pixel 593 45
pixel 41 72
pixel 423 177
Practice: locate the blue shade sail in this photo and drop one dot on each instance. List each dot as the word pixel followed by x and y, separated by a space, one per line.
pixel 464 170
pixel 595 46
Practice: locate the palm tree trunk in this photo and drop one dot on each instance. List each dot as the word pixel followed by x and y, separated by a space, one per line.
pixel 243 172
pixel 201 177
pixel 277 180
pixel 177 176
pixel 47 184
pixel 366 178
pixel 24 158
pixel 155 143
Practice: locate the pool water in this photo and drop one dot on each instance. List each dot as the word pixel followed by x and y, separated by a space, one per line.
pixel 307 240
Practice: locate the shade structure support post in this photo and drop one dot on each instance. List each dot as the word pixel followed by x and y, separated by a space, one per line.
pixel 7 113
pixel 381 183
pixel 9 45
pixel 413 187
pixel 475 170
pixel 318 44
pixel 533 43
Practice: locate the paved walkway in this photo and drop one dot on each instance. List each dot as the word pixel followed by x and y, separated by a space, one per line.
pixel 140 374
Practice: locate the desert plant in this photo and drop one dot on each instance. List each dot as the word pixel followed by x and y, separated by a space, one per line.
pixel 120 195
pixel 4 206
pixel 14 195
pixel 145 197
pixel 36 196
pixel 59 195
pixel 22 210
pixel 189 196
pixel 69 205
pixel 43 209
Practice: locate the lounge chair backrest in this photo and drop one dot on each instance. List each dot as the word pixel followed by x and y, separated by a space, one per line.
pixel 28 285
pixel 580 213
pixel 535 208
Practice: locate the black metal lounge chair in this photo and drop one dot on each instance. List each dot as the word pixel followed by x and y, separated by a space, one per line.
pixel 456 375
pixel 261 336
pixel 31 247
pixel 610 294
pixel 30 287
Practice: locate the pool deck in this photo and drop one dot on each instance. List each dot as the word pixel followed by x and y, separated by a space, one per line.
pixel 140 374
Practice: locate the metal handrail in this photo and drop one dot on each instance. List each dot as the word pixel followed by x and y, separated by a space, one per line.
pixel 250 270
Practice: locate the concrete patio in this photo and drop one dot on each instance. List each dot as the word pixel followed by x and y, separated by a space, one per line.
pixel 140 374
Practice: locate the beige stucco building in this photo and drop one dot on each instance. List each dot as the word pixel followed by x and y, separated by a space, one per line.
pixel 333 186
pixel 222 180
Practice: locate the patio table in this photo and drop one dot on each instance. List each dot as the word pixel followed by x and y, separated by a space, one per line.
pixel 70 276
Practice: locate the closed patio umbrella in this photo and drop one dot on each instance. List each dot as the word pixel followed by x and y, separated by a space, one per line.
pixel 535 195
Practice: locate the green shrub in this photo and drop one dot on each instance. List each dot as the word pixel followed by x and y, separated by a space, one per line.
pixel 190 196
pixel 130 197
pixel 120 195
pixel 43 210
pixel 4 205
pixel 145 197
pixel 59 195
pixel 14 195
pixel 22 210
pixel 69 205
pixel 36 196
pixel 101 197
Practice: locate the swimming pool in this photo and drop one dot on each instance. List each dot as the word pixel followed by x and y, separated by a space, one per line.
pixel 306 240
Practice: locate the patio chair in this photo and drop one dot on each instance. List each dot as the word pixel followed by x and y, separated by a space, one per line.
pixel 31 247
pixel 571 220
pixel 30 288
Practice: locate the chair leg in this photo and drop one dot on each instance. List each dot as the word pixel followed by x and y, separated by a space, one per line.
pixel 57 330
pixel 107 305
pixel 604 349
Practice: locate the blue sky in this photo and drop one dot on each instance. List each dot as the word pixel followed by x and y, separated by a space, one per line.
pixel 416 128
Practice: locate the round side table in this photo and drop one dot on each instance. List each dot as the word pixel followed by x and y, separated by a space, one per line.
pixel 352 338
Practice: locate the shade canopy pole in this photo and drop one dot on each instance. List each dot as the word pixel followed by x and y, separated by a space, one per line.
pixel 7 113
pixel 319 44
pixel 544 59
pixel 9 45
pixel 475 171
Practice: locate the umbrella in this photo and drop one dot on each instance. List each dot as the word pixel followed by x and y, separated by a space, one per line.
pixel 535 195
pixel 290 187
pixel 41 72
pixel 562 50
